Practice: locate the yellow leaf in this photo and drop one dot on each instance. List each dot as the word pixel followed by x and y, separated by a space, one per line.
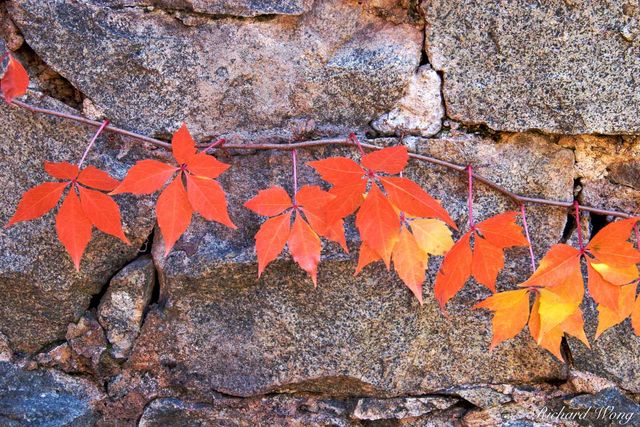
pixel 433 236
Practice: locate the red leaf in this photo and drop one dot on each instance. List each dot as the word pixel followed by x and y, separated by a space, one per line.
pixel 611 247
pixel 410 198
pixel 174 213
pixel 61 170
pixel 37 201
pixel 390 160
pixel 602 292
pixel 313 202
pixel 503 231
pixel 73 227
pixel 103 212
pixel 379 224
pixel 347 199
pixel 182 145
pixel 304 246
pixel 93 177
pixel 206 165
pixel 454 271
pixel 559 263
pixel 270 202
pixel 365 257
pixel 15 81
pixel 271 238
pixel 145 177
pixel 208 199
pixel 338 170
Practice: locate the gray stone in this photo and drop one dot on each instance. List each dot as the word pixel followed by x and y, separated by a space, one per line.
pixel 40 288
pixel 626 173
pixel 122 306
pixel 340 64
pixel 481 396
pixel 266 411
pixel 399 408
pixel 46 399
pixel 607 408
pixel 221 329
pixel 420 111
pixel 245 8
pixel 558 66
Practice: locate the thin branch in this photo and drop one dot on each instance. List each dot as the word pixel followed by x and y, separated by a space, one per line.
pixel 470 197
pixel 523 211
pixel 344 141
pixel 93 140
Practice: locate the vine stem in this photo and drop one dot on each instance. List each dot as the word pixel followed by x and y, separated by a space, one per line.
pixel 516 198
pixel 523 211
pixel 93 141
pixel 470 197
pixel 576 205
pixel 214 144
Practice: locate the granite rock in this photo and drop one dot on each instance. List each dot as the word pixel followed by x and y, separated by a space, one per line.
pixel 398 408
pixel 419 112
pixel 46 398
pixel 341 64
pixel 557 66
pixel 122 307
pixel 36 274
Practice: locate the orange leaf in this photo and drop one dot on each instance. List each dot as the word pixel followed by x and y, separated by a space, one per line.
pixel 304 246
pixel 410 262
pixel 347 199
pixel 145 177
pixel 174 213
pixel 559 263
pixel 603 292
pixel 73 227
pixel 635 316
pixel 270 202
pixel 390 160
pixel 379 224
pixel 103 212
pixel 37 201
pixel 609 317
pixel 511 312
pixel 454 271
pixel 93 177
pixel 208 199
pixel 559 302
pixel 204 164
pixel 338 170
pixel 271 238
pixel 503 231
pixel 61 170
pixel 313 202
pixel 410 198
pixel 366 256
pixel 611 247
pixel 616 275
pixel 15 80
pixel 182 145
pixel 486 263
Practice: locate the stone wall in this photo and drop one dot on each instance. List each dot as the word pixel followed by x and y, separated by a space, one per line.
pixel 541 96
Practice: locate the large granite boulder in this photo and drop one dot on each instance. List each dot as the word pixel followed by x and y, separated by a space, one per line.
pixel 558 66
pixel 218 328
pixel 340 64
pixel 41 290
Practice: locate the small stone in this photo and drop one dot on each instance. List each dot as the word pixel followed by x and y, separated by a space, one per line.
pixel 420 111
pixel 626 173
pixel 481 396
pixel 6 354
pixel 86 338
pixel 399 408
pixel 122 306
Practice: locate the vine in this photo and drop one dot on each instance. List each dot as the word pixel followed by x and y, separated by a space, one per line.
pixel 398 222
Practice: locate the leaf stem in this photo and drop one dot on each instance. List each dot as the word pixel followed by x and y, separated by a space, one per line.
pixel 353 137
pixel 341 141
pixel 294 160
pixel 470 197
pixel 526 233
pixel 576 206
pixel 214 144
pixel 93 140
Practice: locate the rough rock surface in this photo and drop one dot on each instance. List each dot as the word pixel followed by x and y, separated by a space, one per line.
pixel 244 8
pixel 46 399
pixel 342 64
pixel 221 329
pixel 122 307
pixel 558 66
pixel 36 274
pixel 420 111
